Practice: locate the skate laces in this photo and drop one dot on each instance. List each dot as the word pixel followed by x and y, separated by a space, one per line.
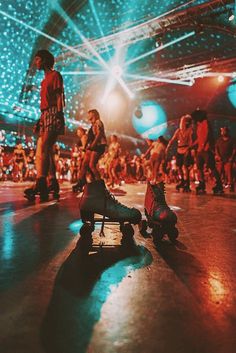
pixel 112 197
pixel 159 192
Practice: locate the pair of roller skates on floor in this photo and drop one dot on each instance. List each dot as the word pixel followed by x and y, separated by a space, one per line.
pixel 96 199
pixel 183 185
pixel 43 189
pixel 217 189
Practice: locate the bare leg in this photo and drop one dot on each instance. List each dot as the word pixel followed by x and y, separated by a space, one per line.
pixel 94 157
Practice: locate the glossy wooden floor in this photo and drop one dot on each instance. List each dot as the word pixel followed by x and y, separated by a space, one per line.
pixel 169 298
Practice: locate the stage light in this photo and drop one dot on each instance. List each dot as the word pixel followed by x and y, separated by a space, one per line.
pixel 231 90
pixel 117 71
pixel 220 78
pixel 231 15
pixel 151 120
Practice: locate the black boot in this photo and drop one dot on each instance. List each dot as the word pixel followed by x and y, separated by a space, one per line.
pixel 218 189
pixel 201 188
pixel 180 185
pixel 78 187
pixel 39 188
pixel 54 188
pixel 97 199
pixel 186 187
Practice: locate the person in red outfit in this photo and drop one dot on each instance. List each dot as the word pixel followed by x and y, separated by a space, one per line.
pixel 205 151
pixel 225 156
pixel 50 124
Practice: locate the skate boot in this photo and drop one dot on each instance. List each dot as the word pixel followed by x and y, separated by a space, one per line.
pixel 180 185
pixel 186 187
pixel 54 188
pixel 218 189
pixel 40 188
pixel 231 188
pixel 201 188
pixel 97 199
pixel 160 217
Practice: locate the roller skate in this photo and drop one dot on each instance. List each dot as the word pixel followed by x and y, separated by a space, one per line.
pixel 40 188
pixel 53 188
pixel 201 188
pixel 96 199
pixel 231 188
pixel 186 187
pixel 218 189
pixel 180 185
pixel 78 187
pixel 159 216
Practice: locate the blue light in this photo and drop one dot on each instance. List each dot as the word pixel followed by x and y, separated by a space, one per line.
pixel 231 90
pixel 75 226
pixel 150 120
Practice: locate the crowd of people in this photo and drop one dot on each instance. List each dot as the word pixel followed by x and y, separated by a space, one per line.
pixel 160 161
pixel 190 156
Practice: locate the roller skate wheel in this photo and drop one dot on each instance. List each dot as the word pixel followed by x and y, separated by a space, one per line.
pixel 173 234
pixel 86 230
pixel 30 197
pixel 127 230
pixel 143 227
pixel 158 232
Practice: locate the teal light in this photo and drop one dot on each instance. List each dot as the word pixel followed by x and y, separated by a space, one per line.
pixel 231 90
pixel 149 120
pixel 75 226
pixel 85 284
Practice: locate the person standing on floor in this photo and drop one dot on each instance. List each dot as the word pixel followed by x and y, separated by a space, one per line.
pixel 184 137
pixel 205 152
pixel 95 147
pixel 50 124
pixel 225 155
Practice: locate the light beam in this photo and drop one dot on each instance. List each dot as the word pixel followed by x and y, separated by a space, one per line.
pixel 160 79
pixel 160 48
pixel 46 35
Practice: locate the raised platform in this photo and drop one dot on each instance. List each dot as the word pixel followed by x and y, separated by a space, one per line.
pixel 169 298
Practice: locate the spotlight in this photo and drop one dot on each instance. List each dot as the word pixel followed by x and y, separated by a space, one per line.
pixel 231 15
pixel 158 42
pixel 220 78
pixel 117 71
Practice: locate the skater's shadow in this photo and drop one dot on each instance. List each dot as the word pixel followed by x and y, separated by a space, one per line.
pixel 83 285
pixel 12 206
pixel 191 272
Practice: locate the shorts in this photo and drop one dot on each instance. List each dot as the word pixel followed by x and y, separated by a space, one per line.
pixel 184 159
pixel 100 149
pixel 205 157
pixel 51 120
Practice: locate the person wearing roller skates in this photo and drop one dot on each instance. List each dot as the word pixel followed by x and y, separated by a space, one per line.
pixel 225 155
pixel 184 137
pixel 94 149
pixel 205 152
pixel 50 124
pixel 157 150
